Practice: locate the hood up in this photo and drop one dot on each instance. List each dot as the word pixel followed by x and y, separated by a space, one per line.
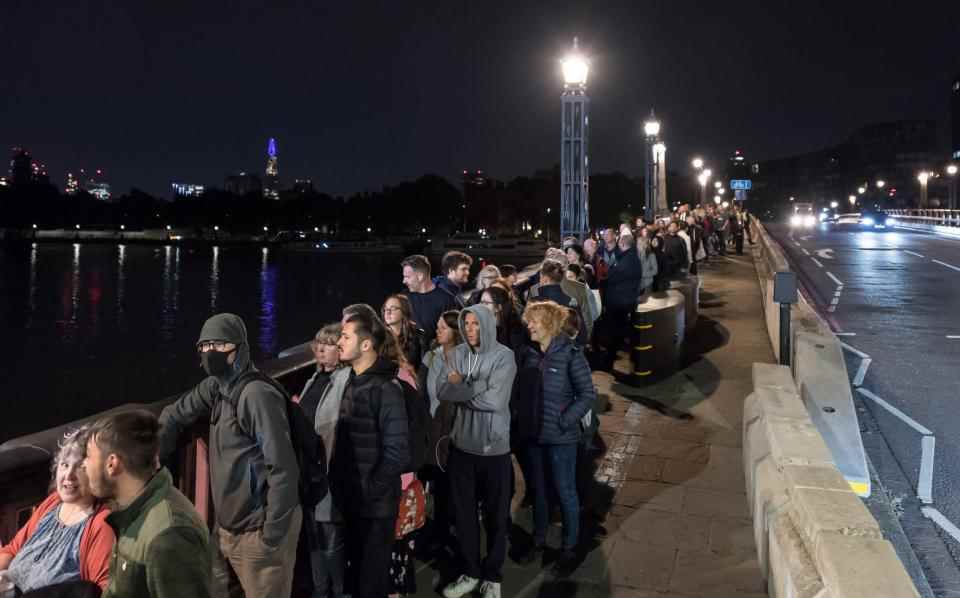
pixel 488 327
pixel 228 328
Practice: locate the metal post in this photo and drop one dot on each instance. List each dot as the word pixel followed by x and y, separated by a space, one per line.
pixel 785 334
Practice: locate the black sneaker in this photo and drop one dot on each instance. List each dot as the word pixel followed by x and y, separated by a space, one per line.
pixel 565 564
pixel 534 553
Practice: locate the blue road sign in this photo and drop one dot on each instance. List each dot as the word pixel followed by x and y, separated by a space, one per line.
pixel 741 184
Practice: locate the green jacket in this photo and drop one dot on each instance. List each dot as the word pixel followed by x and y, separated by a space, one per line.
pixel 162 548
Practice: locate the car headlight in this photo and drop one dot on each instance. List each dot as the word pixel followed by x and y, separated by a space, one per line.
pixel 809 220
pixel 823 217
pixel 868 221
pixel 890 221
pixel 796 220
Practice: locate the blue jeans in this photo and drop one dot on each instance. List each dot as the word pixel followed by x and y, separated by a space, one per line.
pixel 554 465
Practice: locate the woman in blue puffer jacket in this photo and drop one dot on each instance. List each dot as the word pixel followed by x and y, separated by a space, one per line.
pixel 566 393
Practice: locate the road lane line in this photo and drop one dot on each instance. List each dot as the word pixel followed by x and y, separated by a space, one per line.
pixel 953 336
pixel 900 414
pixel 856 352
pixel 913 253
pixel 845 333
pixel 835 300
pixel 925 482
pixel 816 262
pixel 944 523
pixel 834 278
pixel 805 252
pixel 947 265
pixel 837 292
pixel 862 371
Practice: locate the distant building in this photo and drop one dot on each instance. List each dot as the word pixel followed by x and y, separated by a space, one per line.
pixel 243 184
pixel 73 185
pixel 99 190
pixel 955 117
pixel 187 190
pixel 21 167
pixel 271 188
pixel 303 186
pixel 892 152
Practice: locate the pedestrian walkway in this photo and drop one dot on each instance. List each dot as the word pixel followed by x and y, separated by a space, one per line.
pixel 671 479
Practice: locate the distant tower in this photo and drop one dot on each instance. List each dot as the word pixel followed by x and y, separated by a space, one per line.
pixel 270 187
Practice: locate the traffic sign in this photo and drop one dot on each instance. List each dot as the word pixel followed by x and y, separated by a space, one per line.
pixel 741 184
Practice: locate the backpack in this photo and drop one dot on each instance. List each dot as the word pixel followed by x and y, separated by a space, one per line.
pixel 418 425
pixel 309 450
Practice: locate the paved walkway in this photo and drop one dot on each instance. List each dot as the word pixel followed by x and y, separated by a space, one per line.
pixel 671 479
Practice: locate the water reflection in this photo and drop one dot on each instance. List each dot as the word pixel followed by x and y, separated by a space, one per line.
pixel 32 286
pixel 171 292
pixel 70 318
pixel 214 279
pixel 121 286
pixel 268 314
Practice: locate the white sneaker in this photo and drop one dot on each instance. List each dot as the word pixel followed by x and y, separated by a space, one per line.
pixel 463 586
pixel 490 589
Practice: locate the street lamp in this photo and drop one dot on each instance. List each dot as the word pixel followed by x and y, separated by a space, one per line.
pixel 716 184
pixel 881 183
pixel 652 157
pixel 952 171
pixel 834 205
pixel 861 190
pixel 702 179
pixel 923 177
pixel 574 161
pixel 853 200
pixel 697 163
pixel 708 172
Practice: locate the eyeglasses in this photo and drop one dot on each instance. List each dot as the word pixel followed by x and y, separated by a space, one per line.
pixel 219 346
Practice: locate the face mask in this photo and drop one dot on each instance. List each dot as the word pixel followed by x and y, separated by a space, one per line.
pixel 215 363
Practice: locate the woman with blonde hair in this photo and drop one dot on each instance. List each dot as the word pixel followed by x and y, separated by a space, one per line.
pixel 486 277
pixel 566 393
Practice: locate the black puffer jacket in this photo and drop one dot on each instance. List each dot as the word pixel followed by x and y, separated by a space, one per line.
pixel 371 448
pixel 565 387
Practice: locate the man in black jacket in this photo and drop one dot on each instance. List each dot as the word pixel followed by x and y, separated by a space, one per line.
pixel 623 288
pixel 370 452
pixel 674 253
pixel 253 467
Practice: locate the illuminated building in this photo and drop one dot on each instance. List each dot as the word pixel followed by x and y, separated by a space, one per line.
pixel 21 167
pixel 242 184
pixel 96 187
pixel 73 185
pixel 187 190
pixel 303 186
pixel 270 187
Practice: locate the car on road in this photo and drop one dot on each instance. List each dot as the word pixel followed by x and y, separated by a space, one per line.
pixel 803 216
pixel 874 219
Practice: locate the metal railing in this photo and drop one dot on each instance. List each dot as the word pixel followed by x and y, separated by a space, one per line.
pixel 933 217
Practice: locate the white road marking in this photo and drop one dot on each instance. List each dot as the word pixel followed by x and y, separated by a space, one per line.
pixel 953 336
pixel 947 265
pixel 816 262
pixel 826 254
pixel 845 333
pixel 862 371
pixel 944 523
pixel 834 278
pixel 838 292
pixel 805 252
pixel 832 308
pixel 856 352
pixel 925 482
pixel 913 253
pixel 835 300
pixel 900 414
pixel 805 238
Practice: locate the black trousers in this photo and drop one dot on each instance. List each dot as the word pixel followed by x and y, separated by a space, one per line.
pixel 618 319
pixel 369 544
pixel 487 481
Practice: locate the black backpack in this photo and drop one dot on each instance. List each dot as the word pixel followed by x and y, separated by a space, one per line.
pixel 309 450
pixel 418 425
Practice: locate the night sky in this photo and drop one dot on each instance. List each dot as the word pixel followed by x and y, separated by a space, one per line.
pixel 361 94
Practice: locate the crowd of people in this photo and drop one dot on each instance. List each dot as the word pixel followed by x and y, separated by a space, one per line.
pixel 406 433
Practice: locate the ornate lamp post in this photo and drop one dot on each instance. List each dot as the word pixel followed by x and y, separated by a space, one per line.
pixel 574 163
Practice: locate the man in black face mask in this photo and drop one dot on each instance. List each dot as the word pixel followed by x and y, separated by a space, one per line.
pixel 253 466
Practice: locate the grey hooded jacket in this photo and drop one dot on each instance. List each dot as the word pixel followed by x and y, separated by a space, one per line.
pixel 253 468
pixel 482 424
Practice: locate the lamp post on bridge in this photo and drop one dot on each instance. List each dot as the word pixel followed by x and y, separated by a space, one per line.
pixel 923 177
pixel 952 173
pixel 653 154
pixel 574 163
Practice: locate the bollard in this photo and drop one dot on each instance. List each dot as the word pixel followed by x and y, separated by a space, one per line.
pixel 657 335
pixel 785 293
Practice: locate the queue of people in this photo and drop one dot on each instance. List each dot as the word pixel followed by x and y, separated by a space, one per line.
pixel 427 400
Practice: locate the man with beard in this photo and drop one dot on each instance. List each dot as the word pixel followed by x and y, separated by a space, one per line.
pixel 254 474
pixel 162 545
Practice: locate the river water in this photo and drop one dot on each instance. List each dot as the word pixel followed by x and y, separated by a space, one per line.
pixel 86 327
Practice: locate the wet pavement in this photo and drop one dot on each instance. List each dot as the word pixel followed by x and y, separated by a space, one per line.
pixel 670 483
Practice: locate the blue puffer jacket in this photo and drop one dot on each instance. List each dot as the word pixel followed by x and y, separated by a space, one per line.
pixel 566 387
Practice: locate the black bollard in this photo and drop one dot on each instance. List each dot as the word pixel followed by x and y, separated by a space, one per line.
pixel 785 293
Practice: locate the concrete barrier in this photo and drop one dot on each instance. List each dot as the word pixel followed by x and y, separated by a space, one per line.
pixel 658 335
pixel 814 536
pixel 819 369
pixel 689 285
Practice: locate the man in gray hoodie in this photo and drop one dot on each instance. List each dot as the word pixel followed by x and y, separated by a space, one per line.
pixel 253 467
pixel 479 464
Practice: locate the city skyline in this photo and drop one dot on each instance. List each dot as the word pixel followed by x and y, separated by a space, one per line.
pixel 440 90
